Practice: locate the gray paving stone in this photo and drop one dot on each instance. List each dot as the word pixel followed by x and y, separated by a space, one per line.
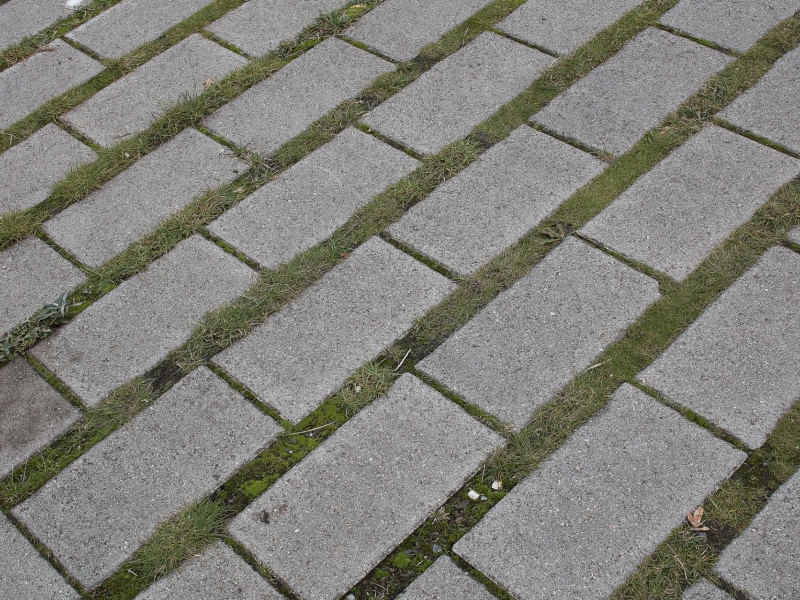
pixel 615 104
pixel 130 330
pixel 131 23
pixel 579 525
pixel 445 581
pixel 339 512
pixel 677 213
pixel 473 217
pixel 30 169
pixel 111 499
pixel 32 414
pixel 763 561
pixel 563 27
pixel 258 26
pixel 312 199
pixel 21 18
pixel 733 24
pixel 140 198
pixel 282 106
pixel 217 574
pixel 738 365
pixel 532 339
pixel 129 105
pixel 304 353
pixel 770 108
pixel 31 275
pixel 24 574
pixel 794 235
pixel 50 72
pixel 400 28
pixel 447 101
pixel 703 590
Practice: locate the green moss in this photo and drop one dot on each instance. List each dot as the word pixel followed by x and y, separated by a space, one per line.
pixel 401 561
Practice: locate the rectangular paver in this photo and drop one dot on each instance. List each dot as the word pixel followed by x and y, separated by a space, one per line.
pixel 326 523
pixel 532 339
pixel 763 561
pixel 32 414
pixel 130 330
pixel 579 525
pixel 313 198
pixel 794 235
pixel 304 353
pixel 733 24
pixel 24 574
pixel 738 365
pixel 488 207
pixel 30 169
pixel 703 590
pixel 217 574
pixel 130 104
pixel 443 580
pixel 456 94
pixel 282 106
pixel 50 72
pixel 131 23
pixel 111 499
pixel 137 200
pixel 258 26
pixel 677 213
pixel 563 27
pixel 21 18
pixel 615 104
pixel 400 28
pixel 771 108
pixel 32 274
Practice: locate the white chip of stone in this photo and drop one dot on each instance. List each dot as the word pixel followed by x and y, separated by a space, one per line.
pixel 579 525
pixel 533 338
pixel 110 500
pixel 326 523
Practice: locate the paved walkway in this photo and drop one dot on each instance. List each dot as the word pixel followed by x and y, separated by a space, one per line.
pixel 399 299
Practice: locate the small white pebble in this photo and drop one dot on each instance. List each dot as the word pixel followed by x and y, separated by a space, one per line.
pixel 473 495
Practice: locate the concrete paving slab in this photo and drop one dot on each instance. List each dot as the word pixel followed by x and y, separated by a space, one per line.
pixel 579 525
pixel 31 275
pixel 399 29
pixel 313 198
pixel 32 414
pixel 97 512
pixel 129 105
pixel 456 94
pixel 258 26
pixel 770 108
pixel 304 353
pixel 563 27
pixel 131 329
pixel 30 169
pixel 488 207
pixel 22 18
pixel 674 216
pixel 763 561
pixel 738 365
pixel 131 23
pixel 533 338
pixel 285 104
pixel 616 103
pixel 733 24
pixel 24 574
pixel 794 235
pixel 703 590
pixel 50 72
pixel 139 199
pixel 326 523
pixel 217 574
pixel 445 581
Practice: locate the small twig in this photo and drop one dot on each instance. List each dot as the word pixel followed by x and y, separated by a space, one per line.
pixel 600 364
pixel 313 429
pixel 402 361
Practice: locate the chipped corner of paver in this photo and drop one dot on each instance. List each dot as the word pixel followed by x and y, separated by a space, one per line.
pixel 443 580
pixel 705 590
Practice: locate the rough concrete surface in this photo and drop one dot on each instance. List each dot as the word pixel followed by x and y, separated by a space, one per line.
pixel 327 522
pixel 443 580
pixel 22 18
pixel 704 590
